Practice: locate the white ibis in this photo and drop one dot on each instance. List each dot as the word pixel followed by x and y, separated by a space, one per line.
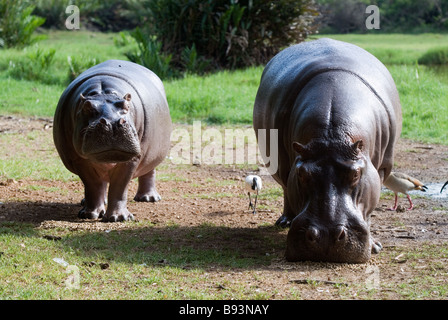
pixel 253 184
pixel 401 182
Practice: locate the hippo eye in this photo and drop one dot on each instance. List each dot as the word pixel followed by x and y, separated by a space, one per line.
pixel 89 108
pixel 355 175
pixel 123 105
pixel 303 175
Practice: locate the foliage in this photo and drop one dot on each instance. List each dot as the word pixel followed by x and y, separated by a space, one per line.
pixel 225 33
pixel 149 55
pixel 34 67
pixel 105 15
pixel 436 56
pixel 343 16
pixel 17 24
pixel 78 65
pixel 227 97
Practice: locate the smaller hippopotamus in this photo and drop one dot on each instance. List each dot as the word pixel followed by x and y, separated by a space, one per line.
pixel 111 125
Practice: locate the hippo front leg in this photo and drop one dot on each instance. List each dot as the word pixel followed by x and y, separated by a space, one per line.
pixel 287 216
pixel 94 194
pixel 375 245
pixel 147 188
pixel 120 177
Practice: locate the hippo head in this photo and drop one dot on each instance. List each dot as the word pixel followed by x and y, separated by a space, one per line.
pixel 104 130
pixel 332 188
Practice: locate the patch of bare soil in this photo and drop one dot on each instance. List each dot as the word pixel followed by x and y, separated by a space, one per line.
pixel 192 196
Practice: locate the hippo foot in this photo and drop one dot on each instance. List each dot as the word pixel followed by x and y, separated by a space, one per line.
pixel 376 245
pixel 122 215
pixel 85 213
pixel 152 196
pixel 283 222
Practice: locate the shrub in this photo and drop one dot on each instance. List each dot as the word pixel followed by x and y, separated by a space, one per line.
pixel 17 24
pixel 225 33
pixel 78 65
pixel 436 56
pixel 34 67
pixel 149 54
pixel 105 15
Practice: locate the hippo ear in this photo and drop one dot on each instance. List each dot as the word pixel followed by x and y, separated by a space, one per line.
pixel 358 145
pixel 88 107
pixel 127 97
pixel 299 148
pixel 124 104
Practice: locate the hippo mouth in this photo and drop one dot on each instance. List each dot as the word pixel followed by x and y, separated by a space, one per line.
pixel 353 251
pixel 343 243
pixel 113 156
pixel 110 143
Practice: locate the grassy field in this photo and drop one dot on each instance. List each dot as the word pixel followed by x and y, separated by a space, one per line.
pixel 224 98
pixel 227 97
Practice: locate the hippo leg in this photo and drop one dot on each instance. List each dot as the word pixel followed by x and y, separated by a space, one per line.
pixel 147 188
pixel 94 201
pixel 120 177
pixel 287 216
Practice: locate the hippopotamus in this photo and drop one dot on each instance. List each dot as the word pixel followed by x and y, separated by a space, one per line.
pixel 337 114
pixel 112 124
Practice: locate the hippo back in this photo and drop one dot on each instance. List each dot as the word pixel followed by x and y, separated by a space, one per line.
pixel 293 68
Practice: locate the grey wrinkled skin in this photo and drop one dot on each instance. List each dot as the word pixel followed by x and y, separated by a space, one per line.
pixel 338 116
pixel 112 124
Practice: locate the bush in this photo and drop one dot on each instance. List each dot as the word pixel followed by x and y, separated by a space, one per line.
pixel 34 67
pixel 78 65
pixel 149 55
pixel 105 15
pixel 17 24
pixel 343 16
pixel 225 33
pixel 436 56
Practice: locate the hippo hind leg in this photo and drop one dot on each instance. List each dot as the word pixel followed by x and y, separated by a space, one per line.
pixel 147 188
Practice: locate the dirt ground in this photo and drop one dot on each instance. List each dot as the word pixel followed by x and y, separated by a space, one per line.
pixel 191 197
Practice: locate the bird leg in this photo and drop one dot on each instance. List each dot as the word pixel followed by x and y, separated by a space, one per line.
pixel 250 202
pixel 395 205
pixel 256 197
pixel 410 202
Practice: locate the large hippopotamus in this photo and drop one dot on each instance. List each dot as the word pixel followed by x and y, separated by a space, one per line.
pixel 112 124
pixel 338 116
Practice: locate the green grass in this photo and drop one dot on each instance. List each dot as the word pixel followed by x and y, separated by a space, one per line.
pixel 224 97
pixel 227 97
pixel 394 48
pixel 170 261
pixel 16 163
pixel 141 262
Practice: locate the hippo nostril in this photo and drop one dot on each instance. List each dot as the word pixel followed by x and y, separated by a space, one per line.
pixel 312 234
pixel 340 234
pixel 103 121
